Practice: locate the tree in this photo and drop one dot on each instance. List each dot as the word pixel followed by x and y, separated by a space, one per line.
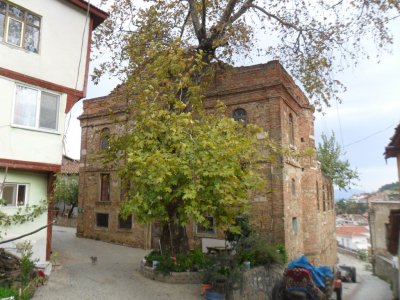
pixel 350 207
pixel 176 165
pixel 312 39
pixel 177 162
pixel 333 165
pixel 66 189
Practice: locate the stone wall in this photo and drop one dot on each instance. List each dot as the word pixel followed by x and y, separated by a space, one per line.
pixel 384 269
pixel 258 283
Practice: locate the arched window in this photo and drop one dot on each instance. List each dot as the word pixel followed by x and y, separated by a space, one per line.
pixel 291 130
pixel 105 138
pixel 240 114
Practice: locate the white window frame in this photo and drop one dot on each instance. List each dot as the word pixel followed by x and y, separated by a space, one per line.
pixel 15 195
pixel 38 104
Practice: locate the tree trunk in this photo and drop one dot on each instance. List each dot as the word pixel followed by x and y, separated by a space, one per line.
pixel 174 239
pixel 71 210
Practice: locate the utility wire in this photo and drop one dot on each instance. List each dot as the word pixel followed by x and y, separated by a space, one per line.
pixel 77 78
pixel 371 135
pixel 340 123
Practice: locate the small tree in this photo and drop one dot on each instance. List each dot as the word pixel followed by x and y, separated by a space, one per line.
pixel 333 165
pixel 66 190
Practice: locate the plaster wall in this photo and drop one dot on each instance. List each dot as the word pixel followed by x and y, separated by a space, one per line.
pixel 26 144
pixel 61 31
pixel 37 191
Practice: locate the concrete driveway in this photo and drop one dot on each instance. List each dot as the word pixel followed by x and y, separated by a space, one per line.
pixel 115 276
pixel 368 286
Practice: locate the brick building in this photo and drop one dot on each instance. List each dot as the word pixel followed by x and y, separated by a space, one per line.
pixel 299 212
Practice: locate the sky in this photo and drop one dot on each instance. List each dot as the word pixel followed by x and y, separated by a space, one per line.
pixel 363 123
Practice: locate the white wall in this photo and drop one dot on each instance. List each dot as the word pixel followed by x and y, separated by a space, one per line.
pixel 60 44
pixel 26 144
pixel 353 242
pixel 37 191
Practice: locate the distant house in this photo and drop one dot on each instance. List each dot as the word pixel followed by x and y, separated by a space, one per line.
pixel 69 166
pixel 353 237
pixel 44 59
pixel 352 219
pixel 393 222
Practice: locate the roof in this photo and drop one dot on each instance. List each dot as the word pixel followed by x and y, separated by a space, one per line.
pixel 69 165
pixel 352 230
pixel 393 149
pixel 96 14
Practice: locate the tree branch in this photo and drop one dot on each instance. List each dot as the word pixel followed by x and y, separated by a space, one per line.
pixel 220 27
pixel 195 20
pixel 241 11
pixel 203 18
pixel 282 22
pixel 184 23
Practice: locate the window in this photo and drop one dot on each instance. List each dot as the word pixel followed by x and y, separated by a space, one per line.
pixel 125 223
pixel 105 138
pixel 104 187
pixel 14 194
pixel 323 198
pixel 102 220
pixel 291 130
pixel 240 115
pixel 294 225
pixel 19 27
pixel 207 228
pixel 35 108
pixel 293 187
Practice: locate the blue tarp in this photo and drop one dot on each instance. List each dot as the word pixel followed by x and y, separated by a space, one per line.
pixel 317 273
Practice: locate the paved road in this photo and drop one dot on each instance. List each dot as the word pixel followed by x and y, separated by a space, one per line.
pixel 368 286
pixel 115 276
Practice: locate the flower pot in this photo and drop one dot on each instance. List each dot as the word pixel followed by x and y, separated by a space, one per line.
pixel 246 265
pixel 155 263
pixel 204 287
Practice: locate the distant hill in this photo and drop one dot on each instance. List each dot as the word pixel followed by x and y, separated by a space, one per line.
pixel 390 187
pixel 346 194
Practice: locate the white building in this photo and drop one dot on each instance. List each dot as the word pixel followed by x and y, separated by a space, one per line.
pixel 44 58
pixel 353 237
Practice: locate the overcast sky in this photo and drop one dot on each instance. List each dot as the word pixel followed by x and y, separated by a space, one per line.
pixel 363 123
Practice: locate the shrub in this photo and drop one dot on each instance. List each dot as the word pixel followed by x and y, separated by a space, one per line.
pixel 27 265
pixel 193 261
pixel 6 292
pixel 258 252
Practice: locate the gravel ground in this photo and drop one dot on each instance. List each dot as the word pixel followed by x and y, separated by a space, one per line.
pixel 114 276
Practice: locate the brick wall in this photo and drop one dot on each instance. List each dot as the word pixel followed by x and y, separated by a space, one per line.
pixel 289 210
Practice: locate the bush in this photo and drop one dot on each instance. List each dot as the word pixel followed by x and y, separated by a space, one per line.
pixel 193 261
pixel 258 252
pixel 6 292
